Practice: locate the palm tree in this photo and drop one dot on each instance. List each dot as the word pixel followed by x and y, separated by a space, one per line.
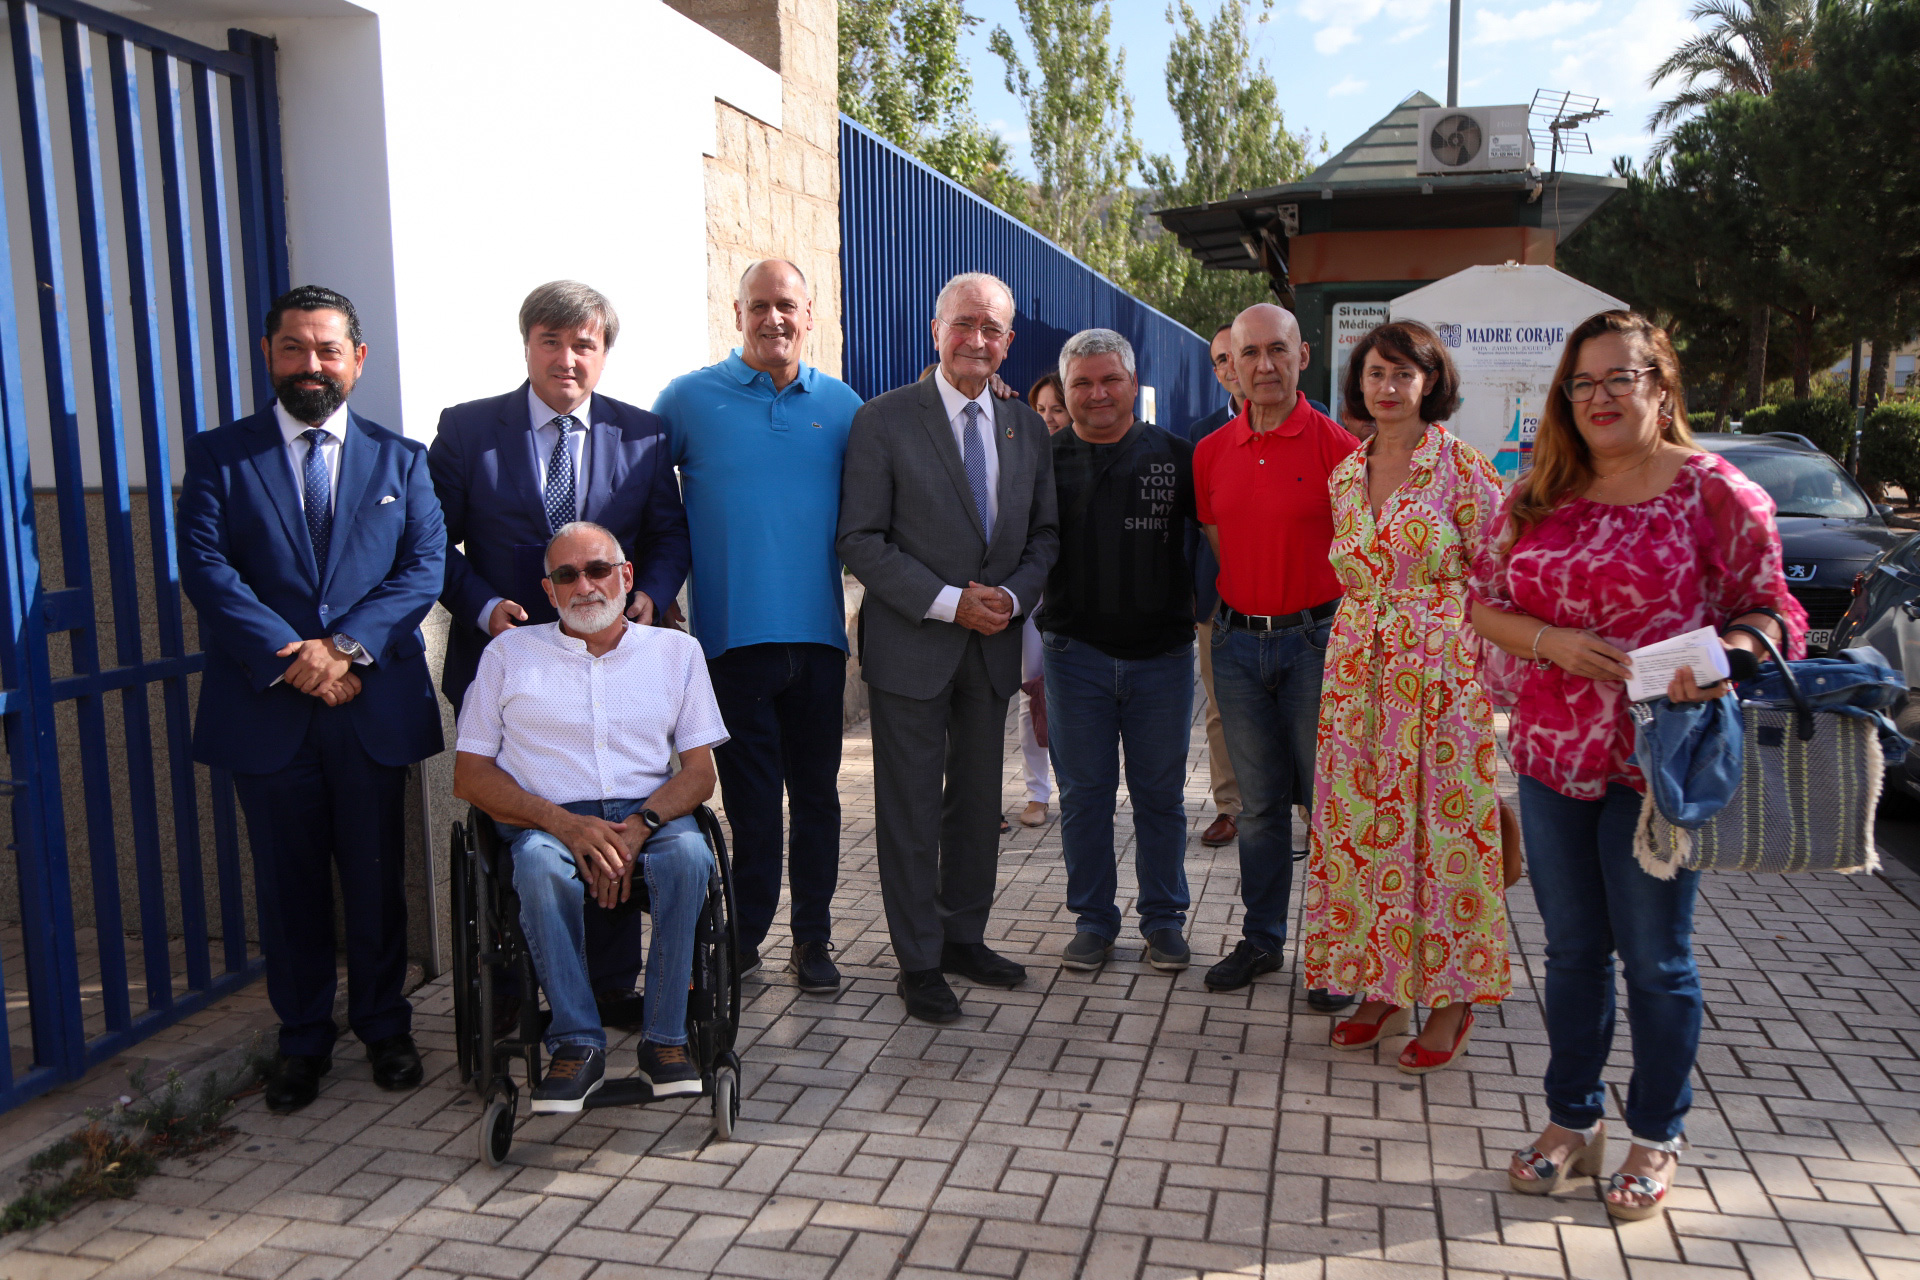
pixel 1750 43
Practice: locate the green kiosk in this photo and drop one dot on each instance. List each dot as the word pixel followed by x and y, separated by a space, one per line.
pixel 1426 192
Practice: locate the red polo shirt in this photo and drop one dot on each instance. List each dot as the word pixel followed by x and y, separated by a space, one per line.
pixel 1266 494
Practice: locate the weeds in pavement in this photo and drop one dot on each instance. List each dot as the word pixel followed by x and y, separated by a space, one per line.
pixel 119 1147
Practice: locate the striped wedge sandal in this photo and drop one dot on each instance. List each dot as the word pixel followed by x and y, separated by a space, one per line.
pixel 1548 1177
pixel 1639 1185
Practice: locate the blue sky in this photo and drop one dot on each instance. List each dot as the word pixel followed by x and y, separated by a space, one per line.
pixel 1342 64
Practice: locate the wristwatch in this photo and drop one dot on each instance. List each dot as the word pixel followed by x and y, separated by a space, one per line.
pixel 653 820
pixel 348 646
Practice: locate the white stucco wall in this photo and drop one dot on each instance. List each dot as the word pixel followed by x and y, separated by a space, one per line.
pixel 443 158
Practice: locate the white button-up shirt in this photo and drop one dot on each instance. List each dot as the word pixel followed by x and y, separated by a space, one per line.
pixel 955 402
pixel 568 726
pixel 292 430
pixel 545 433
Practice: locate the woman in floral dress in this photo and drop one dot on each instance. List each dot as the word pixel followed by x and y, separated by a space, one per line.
pixel 1404 900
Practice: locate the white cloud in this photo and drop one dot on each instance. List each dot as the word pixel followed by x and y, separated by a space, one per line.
pixel 1551 19
pixel 1333 39
pixel 1346 86
pixel 1405 34
pixel 1339 20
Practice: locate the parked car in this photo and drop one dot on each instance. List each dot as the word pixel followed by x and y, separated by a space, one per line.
pixel 1830 530
pixel 1885 615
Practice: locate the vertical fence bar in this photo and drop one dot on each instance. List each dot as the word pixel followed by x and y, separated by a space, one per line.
pixel 255 224
pixel 217 231
pixel 47 924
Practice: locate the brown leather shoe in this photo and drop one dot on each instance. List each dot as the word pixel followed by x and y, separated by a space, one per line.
pixel 1223 831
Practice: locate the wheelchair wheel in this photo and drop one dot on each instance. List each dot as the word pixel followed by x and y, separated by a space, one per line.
pixel 726 1103
pixel 496 1129
pixel 465 960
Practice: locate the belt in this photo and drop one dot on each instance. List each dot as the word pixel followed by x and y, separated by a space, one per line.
pixel 1232 617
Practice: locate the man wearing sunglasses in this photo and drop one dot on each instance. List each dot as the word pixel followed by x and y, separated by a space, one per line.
pixel 566 740
pixel 510 471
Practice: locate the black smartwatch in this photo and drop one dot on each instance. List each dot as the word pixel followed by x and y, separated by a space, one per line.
pixel 653 820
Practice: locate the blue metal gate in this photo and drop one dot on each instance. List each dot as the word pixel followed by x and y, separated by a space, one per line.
pixel 905 229
pixel 149 178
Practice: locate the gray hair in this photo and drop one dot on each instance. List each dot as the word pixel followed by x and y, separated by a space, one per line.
pixel 572 527
pixel 568 304
pixel 1096 342
pixel 964 279
pixel 740 294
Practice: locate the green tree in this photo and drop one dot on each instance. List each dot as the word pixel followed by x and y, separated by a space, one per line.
pixel 901 75
pixel 1236 139
pixel 1080 128
pixel 1749 44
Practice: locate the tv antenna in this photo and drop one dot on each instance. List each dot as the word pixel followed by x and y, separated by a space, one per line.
pixel 1561 114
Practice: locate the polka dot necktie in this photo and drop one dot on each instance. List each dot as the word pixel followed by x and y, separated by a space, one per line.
pixel 560 491
pixel 975 461
pixel 318 495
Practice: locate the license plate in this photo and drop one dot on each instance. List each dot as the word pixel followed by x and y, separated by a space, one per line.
pixel 1821 638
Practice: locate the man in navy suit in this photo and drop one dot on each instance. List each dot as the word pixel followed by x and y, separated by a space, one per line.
pixel 511 471
pixel 311 545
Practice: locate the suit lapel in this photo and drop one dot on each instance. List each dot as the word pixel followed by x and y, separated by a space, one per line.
pixel 516 457
pixel 357 451
pixel 1008 449
pixel 940 428
pixel 603 448
pixel 268 458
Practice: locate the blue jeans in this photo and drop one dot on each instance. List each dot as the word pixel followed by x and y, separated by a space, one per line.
pixel 676 864
pixel 1595 901
pixel 1094 704
pixel 1267 684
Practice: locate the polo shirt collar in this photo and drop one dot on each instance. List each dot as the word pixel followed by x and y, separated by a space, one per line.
pixel 1295 422
pixel 744 374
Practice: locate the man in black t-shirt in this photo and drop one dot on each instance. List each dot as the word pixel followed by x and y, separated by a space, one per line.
pixel 1117 634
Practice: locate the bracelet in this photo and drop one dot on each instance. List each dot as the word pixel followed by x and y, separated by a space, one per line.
pixel 1537 659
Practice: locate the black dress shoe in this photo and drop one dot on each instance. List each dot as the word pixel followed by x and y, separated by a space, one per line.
pixel 295 1081
pixel 1243 965
pixel 621 1010
pixel 814 971
pixel 396 1063
pixel 980 962
pixel 928 996
pixel 1322 1000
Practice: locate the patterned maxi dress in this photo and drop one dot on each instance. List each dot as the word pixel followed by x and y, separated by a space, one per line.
pixel 1404 898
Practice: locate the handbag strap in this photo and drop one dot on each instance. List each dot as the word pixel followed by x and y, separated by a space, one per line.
pixel 1802 710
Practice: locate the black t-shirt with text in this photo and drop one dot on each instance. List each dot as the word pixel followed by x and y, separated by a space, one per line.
pixel 1122 583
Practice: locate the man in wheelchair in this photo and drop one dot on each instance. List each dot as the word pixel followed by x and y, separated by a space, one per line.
pixel 566 740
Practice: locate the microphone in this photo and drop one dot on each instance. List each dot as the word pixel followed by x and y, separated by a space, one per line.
pixel 1742 664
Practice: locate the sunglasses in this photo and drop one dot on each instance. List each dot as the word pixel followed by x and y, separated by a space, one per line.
pixel 562 575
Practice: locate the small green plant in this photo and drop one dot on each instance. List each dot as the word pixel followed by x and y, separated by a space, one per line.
pixel 121 1146
pixel 1890 446
pixel 1824 420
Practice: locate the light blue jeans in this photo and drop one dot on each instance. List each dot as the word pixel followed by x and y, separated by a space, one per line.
pixel 676 864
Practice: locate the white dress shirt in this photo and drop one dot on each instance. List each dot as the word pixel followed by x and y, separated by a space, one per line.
pixel 955 402
pixel 545 433
pixel 294 431
pixel 568 726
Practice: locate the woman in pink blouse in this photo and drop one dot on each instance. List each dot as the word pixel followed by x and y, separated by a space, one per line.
pixel 1621 534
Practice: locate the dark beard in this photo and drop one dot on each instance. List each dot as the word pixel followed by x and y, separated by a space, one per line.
pixel 311 405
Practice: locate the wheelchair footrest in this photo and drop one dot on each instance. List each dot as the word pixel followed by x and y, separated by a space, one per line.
pixel 630 1091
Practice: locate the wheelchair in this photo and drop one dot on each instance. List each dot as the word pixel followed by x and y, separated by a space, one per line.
pixel 487 942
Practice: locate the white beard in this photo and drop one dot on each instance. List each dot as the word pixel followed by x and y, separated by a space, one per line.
pixel 586 617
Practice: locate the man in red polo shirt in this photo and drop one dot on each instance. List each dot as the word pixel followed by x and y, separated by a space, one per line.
pixel 1260 488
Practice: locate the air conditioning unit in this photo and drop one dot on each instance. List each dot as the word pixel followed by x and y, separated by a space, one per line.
pixel 1474 140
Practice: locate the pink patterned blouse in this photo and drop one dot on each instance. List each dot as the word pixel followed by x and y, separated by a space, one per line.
pixel 1698 555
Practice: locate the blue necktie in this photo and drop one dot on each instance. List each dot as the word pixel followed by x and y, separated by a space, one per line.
pixel 974 459
pixel 319 497
pixel 559 493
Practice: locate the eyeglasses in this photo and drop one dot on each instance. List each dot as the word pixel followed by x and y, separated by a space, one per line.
pixel 967 328
pixel 562 575
pixel 1396 378
pixel 1619 384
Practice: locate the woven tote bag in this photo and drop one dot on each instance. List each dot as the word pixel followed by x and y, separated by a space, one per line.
pixel 1808 786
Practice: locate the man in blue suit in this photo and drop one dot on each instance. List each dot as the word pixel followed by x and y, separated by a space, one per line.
pixel 510 471
pixel 311 546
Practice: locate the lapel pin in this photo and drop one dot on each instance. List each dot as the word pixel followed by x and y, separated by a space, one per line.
pixel 816 426
pixel 1009 433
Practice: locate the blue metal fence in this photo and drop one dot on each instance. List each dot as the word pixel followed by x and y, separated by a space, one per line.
pixel 114 119
pixel 905 229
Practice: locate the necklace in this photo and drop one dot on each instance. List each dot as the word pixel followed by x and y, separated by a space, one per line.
pixel 1644 460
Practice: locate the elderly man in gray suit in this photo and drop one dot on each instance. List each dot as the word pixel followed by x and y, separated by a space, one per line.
pixel 947 517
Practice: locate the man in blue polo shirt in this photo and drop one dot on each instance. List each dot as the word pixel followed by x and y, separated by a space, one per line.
pixel 759 440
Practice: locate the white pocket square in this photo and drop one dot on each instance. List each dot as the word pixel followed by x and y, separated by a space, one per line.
pixel 384 501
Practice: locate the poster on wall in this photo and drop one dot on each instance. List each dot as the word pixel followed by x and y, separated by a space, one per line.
pixel 1351 322
pixel 1504 328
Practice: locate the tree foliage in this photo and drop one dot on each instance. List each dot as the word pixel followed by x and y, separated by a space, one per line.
pixel 1749 44
pixel 901 75
pixel 1235 138
pixel 1080 127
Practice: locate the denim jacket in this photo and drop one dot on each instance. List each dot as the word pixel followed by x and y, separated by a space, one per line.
pixel 1692 754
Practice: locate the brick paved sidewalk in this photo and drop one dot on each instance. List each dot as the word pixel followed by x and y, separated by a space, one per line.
pixel 1125 1125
